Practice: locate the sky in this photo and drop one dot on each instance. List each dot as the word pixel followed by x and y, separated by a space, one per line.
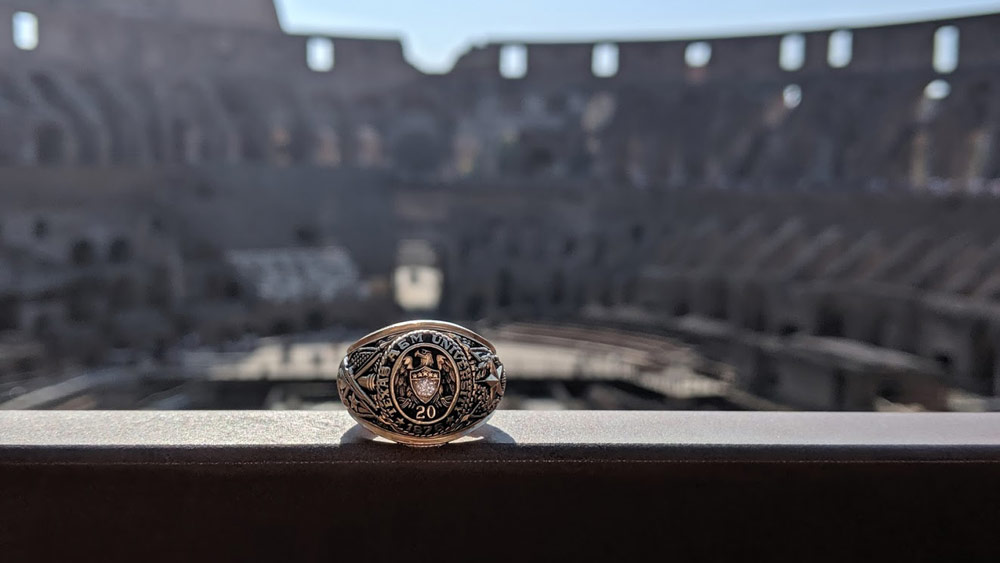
pixel 436 32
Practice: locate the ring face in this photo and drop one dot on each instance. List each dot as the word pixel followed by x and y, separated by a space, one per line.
pixel 421 383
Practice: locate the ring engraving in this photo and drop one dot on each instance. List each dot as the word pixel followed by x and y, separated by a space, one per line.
pixel 421 383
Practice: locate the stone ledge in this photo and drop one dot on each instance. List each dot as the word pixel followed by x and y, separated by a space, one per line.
pixel 174 437
pixel 535 486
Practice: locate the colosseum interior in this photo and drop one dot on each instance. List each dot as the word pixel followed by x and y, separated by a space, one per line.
pixel 797 221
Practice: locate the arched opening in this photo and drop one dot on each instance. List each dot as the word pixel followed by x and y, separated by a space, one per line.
pixel 944 361
pixel 281 145
pixel 839 390
pixel 505 290
pixel 829 322
pixel 42 326
pixel 765 380
pixel 320 54
pixel 538 161
pixel 301 144
pixel 698 54
pixel 787 329
pixel 418 281
pixel 306 235
pixel 946 40
pixel 159 293
pixel 120 251
pixel 889 391
pixel 791 96
pixel 232 290
pixel 185 141
pixel 558 295
pixel 718 306
pixel 604 60
pixel 630 291
pixel 984 356
pixel 89 146
pixel 122 294
pixel 41 229
pixel 638 234
pixel 50 145
pixel 840 48
pixel 513 248
pixel 600 250
pixel 281 327
pixel 474 306
pixel 876 331
pixel 78 306
pixel 569 247
pixel 606 296
pixel 315 320
pixel 753 316
pixel 681 308
pixel 326 149
pixel 937 90
pixel 10 313
pixel 368 146
pixel 513 61
pixel 757 320
pixel 792 53
pixel 81 253
pixel 418 151
pixel 24 30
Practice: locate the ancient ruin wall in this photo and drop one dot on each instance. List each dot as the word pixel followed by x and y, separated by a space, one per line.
pixel 178 82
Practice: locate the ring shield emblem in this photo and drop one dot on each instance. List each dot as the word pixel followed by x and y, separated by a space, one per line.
pixel 421 382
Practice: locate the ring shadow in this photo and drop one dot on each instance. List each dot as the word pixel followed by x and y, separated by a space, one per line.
pixel 485 434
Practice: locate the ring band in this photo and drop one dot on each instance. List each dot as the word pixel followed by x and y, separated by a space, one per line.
pixel 421 383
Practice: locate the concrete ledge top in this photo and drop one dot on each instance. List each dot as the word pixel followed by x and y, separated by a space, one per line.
pixel 332 437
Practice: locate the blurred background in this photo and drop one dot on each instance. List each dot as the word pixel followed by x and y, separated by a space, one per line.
pixel 741 205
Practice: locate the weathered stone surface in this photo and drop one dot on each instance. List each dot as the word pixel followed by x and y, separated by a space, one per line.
pixel 139 146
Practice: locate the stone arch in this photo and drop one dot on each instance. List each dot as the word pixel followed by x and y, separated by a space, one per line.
pixel 984 357
pixel 475 306
pixel 51 144
pixel 558 291
pixel 296 132
pixel 417 145
pixel 538 159
pixel 369 145
pixel 599 250
pixel 682 307
pixel 25 114
pixel 159 292
pixel 367 132
pixel 81 253
pixel 10 312
pixel 717 298
pixel 123 293
pixel 80 114
pixel 232 289
pixel 198 102
pixel 119 251
pixel 328 131
pixel 314 320
pixel 185 140
pixel 876 329
pixel 505 289
pixel 152 117
pixel 79 304
pixel 753 308
pixel 121 115
pixel 196 124
pixel 829 320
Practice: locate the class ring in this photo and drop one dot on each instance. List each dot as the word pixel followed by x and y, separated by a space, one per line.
pixel 421 383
